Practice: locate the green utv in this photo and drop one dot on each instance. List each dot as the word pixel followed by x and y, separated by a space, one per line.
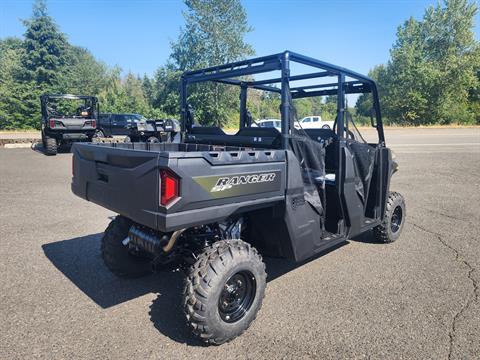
pixel 67 118
pixel 215 203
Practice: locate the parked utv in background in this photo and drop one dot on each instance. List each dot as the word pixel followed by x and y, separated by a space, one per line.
pixel 216 203
pixel 67 118
pixel 136 128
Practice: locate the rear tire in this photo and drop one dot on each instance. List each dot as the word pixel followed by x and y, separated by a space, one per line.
pixel 224 290
pixel 117 257
pixel 392 224
pixel 51 145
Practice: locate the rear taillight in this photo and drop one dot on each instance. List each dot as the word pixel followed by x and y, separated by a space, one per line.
pixel 169 187
pixel 94 123
pixel 52 123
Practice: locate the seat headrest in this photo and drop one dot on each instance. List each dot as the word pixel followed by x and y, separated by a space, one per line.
pixel 321 134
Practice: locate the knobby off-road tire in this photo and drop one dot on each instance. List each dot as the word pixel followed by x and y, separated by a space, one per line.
pixel 117 256
pixel 392 224
pixel 224 290
pixel 50 145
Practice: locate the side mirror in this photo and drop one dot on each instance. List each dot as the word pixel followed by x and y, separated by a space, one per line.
pixel 373 117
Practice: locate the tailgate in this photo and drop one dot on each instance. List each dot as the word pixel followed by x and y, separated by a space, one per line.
pixel 73 124
pixel 122 180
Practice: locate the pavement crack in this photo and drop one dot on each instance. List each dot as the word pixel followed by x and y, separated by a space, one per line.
pixel 474 295
pixel 446 215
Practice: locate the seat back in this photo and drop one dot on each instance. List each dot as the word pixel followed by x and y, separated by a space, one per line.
pixel 253 137
pixel 258 137
pixel 206 130
pixel 331 151
pixel 321 134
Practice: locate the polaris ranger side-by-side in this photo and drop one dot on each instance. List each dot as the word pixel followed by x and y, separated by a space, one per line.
pixel 67 118
pixel 216 203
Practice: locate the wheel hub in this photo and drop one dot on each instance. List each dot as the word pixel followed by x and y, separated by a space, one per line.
pixel 237 296
pixel 396 220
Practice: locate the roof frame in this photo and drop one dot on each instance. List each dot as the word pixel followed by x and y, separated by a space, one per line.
pixel 228 72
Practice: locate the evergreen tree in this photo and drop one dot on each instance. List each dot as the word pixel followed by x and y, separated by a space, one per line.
pixel 166 85
pixel 12 107
pixel 213 35
pixel 46 48
pixel 84 74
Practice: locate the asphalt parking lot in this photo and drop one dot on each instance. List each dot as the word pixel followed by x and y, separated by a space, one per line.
pixel 416 298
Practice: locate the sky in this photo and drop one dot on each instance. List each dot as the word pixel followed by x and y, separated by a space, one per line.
pixel 136 35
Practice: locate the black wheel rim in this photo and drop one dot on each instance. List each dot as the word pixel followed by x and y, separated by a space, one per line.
pixel 237 296
pixel 396 221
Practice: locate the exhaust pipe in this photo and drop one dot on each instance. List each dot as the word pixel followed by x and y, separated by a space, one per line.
pixel 173 239
pixel 150 242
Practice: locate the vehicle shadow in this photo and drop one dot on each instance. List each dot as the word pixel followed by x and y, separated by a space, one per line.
pixel 38 147
pixel 367 238
pixel 80 261
pixel 276 267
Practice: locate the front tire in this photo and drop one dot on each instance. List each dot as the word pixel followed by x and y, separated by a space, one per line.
pixel 394 219
pixel 224 290
pixel 51 145
pixel 117 256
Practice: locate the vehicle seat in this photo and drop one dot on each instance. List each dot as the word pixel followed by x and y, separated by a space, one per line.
pixel 211 135
pixel 331 151
pixel 258 137
pixel 206 130
pixel 321 134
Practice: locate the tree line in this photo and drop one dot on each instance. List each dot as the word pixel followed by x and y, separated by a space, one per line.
pixel 433 75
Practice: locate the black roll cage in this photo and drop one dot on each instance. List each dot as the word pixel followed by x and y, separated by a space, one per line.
pixel 228 73
pixel 46 97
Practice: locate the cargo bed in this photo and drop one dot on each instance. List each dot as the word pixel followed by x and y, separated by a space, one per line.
pixel 214 182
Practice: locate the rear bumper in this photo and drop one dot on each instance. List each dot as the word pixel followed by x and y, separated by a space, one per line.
pixel 70 135
pixel 74 136
pixel 186 219
pixel 164 222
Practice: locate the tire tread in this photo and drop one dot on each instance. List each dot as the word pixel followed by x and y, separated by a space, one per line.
pixel 197 285
pixel 381 231
pixel 111 255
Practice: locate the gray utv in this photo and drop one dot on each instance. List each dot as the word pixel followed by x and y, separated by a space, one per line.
pixel 215 203
pixel 67 118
